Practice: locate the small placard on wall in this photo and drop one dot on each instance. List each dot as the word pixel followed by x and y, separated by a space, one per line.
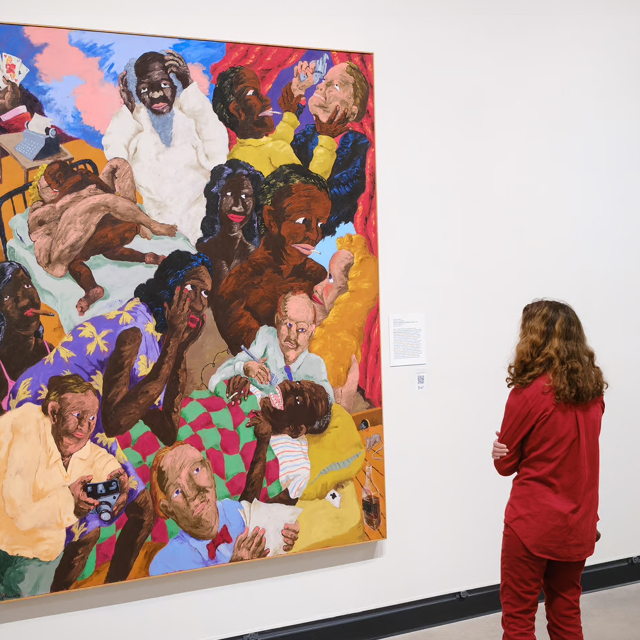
pixel 407 342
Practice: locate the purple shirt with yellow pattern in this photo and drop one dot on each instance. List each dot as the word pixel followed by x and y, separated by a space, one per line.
pixel 86 351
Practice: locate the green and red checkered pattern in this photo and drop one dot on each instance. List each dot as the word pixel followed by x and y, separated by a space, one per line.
pixel 211 426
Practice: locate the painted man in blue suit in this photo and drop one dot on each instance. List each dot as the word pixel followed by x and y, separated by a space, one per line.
pixel 340 99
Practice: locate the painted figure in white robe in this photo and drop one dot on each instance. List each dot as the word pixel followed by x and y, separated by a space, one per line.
pixel 171 138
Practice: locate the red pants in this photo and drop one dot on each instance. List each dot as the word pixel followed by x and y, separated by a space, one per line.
pixel 524 575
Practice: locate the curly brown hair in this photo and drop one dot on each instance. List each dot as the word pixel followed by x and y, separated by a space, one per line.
pixel 552 342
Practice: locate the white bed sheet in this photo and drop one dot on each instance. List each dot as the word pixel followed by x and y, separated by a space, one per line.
pixel 119 279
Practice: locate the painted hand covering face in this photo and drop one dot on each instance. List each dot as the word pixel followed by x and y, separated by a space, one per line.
pixel 336 91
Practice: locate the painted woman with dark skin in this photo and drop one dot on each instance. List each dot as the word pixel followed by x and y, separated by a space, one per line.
pixel 177 298
pixel 295 204
pixel 21 333
pixel 179 316
pixel 230 228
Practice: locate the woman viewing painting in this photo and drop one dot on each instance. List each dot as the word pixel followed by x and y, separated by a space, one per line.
pixel 550 439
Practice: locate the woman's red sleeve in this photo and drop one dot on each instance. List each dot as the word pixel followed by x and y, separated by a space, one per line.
pixel 519 419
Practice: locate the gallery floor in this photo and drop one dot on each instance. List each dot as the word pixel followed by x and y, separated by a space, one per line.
pixel 613 614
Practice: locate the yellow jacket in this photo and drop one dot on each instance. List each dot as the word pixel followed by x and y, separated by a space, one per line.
pixel 268 153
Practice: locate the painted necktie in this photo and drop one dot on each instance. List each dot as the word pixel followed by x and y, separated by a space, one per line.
pixel 223 537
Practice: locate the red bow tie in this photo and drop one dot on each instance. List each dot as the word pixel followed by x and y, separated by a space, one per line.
pixel 223 537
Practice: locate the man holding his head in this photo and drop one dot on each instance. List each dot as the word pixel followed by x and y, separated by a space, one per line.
pixel 341 98
pixel 170 136
pixel 46 459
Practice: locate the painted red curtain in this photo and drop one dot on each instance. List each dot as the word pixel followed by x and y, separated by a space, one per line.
pixel 366 224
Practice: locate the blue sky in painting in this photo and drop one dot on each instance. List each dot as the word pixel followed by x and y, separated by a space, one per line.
pixel 112 51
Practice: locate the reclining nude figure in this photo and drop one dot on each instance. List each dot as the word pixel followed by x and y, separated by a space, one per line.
pixel 76 215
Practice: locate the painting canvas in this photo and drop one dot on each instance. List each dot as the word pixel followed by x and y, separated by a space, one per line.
pixel 189 321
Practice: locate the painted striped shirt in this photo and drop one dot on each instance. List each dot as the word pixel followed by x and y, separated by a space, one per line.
pixel 293 458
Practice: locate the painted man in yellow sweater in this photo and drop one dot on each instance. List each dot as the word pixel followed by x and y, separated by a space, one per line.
pixel 240 104
pixel 46 461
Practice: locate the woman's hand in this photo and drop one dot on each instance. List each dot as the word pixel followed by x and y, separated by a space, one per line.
pixel 499 450
pixel 192 334
pixel 178 314
pixel 337 123
pixel 288 100
pixel 238 389
pixel 261 428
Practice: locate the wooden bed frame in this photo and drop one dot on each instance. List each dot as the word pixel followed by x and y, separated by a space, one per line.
pixel 15 195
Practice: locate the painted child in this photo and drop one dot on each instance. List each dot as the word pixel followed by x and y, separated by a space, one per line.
pixel 294 410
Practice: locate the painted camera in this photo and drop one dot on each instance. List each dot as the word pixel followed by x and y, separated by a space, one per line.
pixel 107 494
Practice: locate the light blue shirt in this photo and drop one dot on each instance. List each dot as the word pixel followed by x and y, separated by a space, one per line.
pixel 307 366
pixel 184 552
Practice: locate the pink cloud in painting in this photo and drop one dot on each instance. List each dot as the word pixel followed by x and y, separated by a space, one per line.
pixel 200 77
pixel 96 100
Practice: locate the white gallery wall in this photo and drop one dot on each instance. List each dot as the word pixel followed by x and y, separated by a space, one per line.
pixel 508 155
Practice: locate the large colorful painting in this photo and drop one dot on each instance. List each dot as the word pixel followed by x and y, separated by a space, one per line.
pixel 189 323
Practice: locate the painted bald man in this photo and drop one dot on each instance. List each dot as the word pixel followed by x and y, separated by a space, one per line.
pixel 283 351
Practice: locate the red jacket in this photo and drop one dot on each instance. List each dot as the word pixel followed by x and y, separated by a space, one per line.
pixel 554 450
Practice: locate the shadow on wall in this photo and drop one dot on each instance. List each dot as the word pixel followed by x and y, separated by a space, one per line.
pixel 196 580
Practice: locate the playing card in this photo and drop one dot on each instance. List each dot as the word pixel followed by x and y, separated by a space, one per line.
pixel 22 72
pixel 334 498
pixel 11 66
